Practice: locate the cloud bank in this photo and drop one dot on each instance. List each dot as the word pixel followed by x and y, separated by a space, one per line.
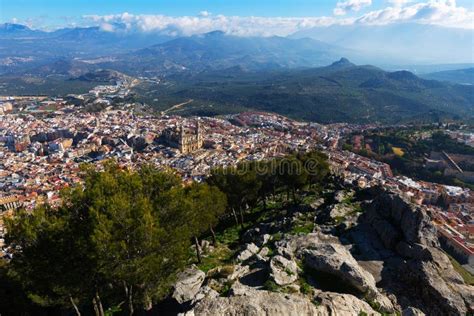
pixel 437 12
pixel 343 7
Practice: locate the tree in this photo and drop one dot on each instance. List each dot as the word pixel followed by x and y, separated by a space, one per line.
pixel 293 175
pixel 117 239
pixel 240 184
pixel 205 203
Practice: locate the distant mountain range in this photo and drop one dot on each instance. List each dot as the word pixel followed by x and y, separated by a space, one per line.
pixel 341 92
pixel 461 76
pixel 400 43
pixel 217 50
pixel 224 73
pixel 24 51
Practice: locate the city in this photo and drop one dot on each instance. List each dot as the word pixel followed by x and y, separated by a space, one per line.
pixel 46 140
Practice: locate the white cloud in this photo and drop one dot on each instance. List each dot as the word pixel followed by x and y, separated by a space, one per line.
pixel 438 12
pixel 342 7
pixel 236 25
pixel 399 3
pixel 204 13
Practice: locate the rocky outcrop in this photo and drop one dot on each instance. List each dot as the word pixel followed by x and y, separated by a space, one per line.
pixel 342 304
pixel 248 251
pixel 325 253
pixel 389 256
pixel 396 220
pixel 415 268
pixel 188 284
pixel 251 302
pixel 283 271
pixel 336 260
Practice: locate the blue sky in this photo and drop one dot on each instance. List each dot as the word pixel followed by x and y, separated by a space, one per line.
pixel 57 13
pixel 31 8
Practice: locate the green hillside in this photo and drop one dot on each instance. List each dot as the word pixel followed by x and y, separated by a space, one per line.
pixel 341 92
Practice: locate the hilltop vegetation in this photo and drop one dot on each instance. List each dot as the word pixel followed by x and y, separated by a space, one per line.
pixel 117 242
pixel 341 92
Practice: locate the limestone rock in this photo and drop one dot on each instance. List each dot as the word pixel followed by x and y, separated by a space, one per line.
pixel 342 304
pixel 412 311
pixel 188 284
pixel 204 292
pixel 251 302
pixel 337 260
pixel 248 251
pixel 283 271
pixel 239 271
pixel 419 272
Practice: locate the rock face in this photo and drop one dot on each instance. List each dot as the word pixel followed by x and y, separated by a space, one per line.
pixel 388 255
pixel 188 284
pixel 415 270
pixel 283 271
pixel 342 304
pixel 325 253
pixel 337 260
pixel 251 302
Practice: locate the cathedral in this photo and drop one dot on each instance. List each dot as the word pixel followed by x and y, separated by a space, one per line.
pixel 185 140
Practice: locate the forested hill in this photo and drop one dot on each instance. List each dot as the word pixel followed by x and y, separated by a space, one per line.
pixel 341 92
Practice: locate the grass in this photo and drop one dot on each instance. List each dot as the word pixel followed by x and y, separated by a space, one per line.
pixel 271 286
pixel 221 255
pixel 466 275
pixel 223 251
pixel 304 228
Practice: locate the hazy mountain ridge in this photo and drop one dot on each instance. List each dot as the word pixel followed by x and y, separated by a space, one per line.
pixel 461 76
pixel 400 43
pixel 341 92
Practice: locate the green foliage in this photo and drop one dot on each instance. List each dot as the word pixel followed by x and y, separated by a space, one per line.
pixel 271 286
pixel 362 94
pixel 120 237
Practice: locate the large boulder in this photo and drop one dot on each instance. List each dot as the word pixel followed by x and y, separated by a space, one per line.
pixel 342 304
pixel 251 302
pixel 335 259
pixel 325 253
pixel 248 301
pixel 415 268
pixel 283 271
pixel 188 284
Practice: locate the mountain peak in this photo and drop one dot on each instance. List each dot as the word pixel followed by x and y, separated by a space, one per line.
pixel 342 62
pixel 13 27
pixel 216 33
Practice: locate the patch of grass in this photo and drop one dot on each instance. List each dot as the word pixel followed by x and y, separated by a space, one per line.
pixel 466 275
pixel 224 291
pixel 220 256
pixel 277 236
pixel 271 286
pixel 304 228
pixel 229 236
pixel 316 302
pixel 305 288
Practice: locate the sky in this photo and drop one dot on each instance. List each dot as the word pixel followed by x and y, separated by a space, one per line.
pixel 240 17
